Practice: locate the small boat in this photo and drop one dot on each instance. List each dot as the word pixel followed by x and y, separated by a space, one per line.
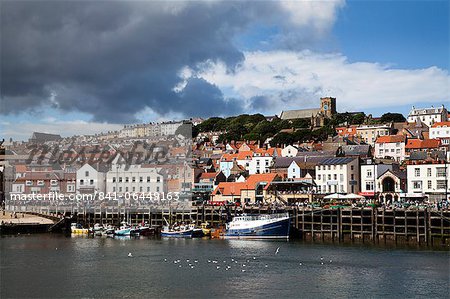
pixel 146 231
pixel 182 231
pixel 97 230
pixel 109 231
pixel 124 230
pixel 76 228
pixel 270 226
pixel 206 228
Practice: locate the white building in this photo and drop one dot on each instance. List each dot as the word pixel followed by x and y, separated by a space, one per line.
pixel 441 130
pixel 338 175
pixel 294 171
pixel 133 179
pixel 428 116
pixel 127 132
pixel 260 164
pixel 429 179
pixel 390 147
pixel 91 178
pixel 169 128
pixel 386 180
pixel 289 151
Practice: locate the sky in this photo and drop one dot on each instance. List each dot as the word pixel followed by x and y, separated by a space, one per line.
pixel 85 67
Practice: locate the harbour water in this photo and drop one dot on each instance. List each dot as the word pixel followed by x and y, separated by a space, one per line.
pixel 62 267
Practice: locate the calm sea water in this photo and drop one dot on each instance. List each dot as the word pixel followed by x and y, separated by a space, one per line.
pixel 56 266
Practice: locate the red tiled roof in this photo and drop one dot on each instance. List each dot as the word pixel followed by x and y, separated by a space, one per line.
pixel 441 124
pixel 234 188
pixel 208 175
pixel 229 188
pixel 418 144
pixel 391 139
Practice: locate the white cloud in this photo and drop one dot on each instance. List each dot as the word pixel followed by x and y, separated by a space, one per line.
pixel 294 80
pixel 320 15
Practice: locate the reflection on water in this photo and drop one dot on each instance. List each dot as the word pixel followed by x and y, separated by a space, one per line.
pixel 55 266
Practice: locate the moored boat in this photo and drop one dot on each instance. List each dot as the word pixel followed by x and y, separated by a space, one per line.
pixel 76 228
pixel 124 230
pixel 270 226
pixel 182 231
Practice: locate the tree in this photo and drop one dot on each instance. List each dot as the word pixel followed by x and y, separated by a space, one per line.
pixel 282 139
pixel 392 117
pixel 185 130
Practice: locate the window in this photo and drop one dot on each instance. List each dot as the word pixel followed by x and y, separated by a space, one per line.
pixel 141 179
pixel 417 184
pixel 148 179
pixel 91 182
pixel 114 179
pixel 341 177
pixel 120 189
pixel 369 173
pixel 319 177
pixel 29 183
pixel 81 182
pixel 352 176
pixel 126 180
pixel 86 173
pixel 429 184
pixel 133 179
pixel 369 186
pixel 148 189
pixel 157 189
pixel 114 189
pixel 40 183
pixel 140 189
pixel 335 176
pixel 428 171
pixel 134 189
pixel 381 151
pixel 397 151
pixel 329 177
pixel 126 189
pixel 417 172
pixel 120 179
pixel 158 179
pixel 440 184
pixel 440 172
pixel 352 167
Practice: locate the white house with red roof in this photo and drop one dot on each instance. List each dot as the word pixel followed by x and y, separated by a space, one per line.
pixel 441 130
pixel 391 146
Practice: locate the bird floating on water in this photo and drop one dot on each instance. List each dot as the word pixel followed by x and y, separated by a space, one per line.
pixel 129 254
pixel 278 250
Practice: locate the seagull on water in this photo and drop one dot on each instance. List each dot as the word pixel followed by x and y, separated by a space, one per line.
pixel 129 254
pixel 278 250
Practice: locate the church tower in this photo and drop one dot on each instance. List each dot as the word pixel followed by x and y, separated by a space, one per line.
pixel 328 106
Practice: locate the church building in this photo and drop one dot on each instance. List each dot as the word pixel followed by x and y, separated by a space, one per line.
pixel 317 115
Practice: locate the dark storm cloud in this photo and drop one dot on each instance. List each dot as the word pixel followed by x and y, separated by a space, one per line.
pixel 113 59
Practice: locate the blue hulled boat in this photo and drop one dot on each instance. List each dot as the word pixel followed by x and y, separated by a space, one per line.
pixel 270 226
pixel 184 231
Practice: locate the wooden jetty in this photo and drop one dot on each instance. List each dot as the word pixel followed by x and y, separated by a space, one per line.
pixel 427 227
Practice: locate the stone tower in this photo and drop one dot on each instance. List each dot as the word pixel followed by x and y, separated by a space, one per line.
pixel 328 106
